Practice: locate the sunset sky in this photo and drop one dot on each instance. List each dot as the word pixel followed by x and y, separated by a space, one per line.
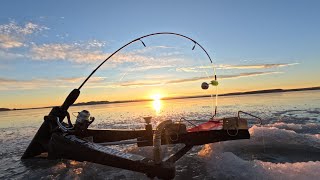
pixel 47 48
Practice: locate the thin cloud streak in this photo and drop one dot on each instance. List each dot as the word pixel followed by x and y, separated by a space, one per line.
pixel 149 49
pixel 256 66
pixel 147 67
pixel 9 55
pixel 177 81
pixel 249 74
pixel 13 84
pixel 227 67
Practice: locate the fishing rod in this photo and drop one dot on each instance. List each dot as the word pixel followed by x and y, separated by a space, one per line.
pixel 72 97
pixel 140 39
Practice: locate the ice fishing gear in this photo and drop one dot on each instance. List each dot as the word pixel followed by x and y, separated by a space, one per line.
pixel 68 141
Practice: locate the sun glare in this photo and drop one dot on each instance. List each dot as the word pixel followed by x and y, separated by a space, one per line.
pixel 156 103
pixel 156 97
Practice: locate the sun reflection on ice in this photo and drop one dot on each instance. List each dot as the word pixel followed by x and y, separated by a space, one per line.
pixel 157 104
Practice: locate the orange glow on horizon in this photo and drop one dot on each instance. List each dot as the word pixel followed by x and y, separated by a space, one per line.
pixel 30 99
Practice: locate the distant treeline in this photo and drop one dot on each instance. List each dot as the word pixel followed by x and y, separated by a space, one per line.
pixel 91 103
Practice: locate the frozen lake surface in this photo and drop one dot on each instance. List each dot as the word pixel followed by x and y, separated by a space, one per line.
pixel 287 146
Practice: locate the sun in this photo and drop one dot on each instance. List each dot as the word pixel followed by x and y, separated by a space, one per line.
pixel 156 97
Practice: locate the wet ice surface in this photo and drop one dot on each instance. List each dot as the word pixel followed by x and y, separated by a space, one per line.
pixel 287 146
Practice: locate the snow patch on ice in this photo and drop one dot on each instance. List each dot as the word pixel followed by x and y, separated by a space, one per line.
pixel 229 166
pixel 249 159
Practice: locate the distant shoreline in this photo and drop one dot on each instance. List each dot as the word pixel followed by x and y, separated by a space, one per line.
pixel 182 97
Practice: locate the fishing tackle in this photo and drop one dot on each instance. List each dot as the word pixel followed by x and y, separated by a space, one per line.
pixel 81 143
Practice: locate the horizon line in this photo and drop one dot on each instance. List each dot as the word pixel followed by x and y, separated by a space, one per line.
pixel 263 91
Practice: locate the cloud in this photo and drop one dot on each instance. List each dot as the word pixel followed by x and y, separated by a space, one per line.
pixel 142 83
pixel 203 78
pixel 99 82
pixel 7 41
pixel 77 52
pixel 14 28
pixel 13 35
pixel 85 52
pixel 9 55
pixel 153 49
pixel 193 69
pixel 81 79
pixel 10 84
pixel 227 66
pixel 256 66
pixel 248 74
pixel 92 52
pixel 13 84
pixel 147 58
pixel 148 67
pixel 5 80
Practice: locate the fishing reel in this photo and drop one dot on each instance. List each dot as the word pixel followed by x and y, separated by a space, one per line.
pixel 82 123
pixel 205 85
pixel 83 120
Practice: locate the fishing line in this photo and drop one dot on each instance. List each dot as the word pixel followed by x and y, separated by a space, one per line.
pixel 74 113
pixel 214 103
pixel 124 74
pixel 215 78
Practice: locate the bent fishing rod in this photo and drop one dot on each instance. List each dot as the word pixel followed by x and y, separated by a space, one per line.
pixel 140 39
pixel 76 92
